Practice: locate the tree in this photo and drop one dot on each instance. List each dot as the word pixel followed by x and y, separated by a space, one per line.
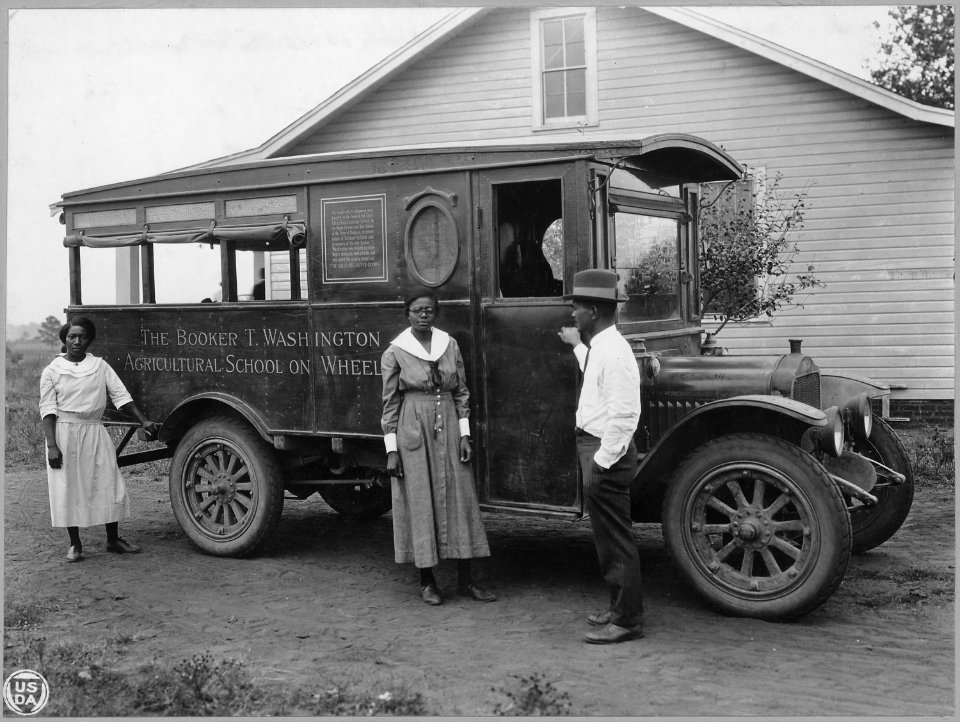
pixel 746 252
pixel 916 61
pixel 49 331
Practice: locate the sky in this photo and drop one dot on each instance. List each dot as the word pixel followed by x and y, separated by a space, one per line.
pixel 98 96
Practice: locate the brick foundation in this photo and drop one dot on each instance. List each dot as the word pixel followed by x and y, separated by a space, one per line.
pixel 921 412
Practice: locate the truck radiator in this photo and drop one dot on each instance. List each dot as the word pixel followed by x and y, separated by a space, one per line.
pixel 806 389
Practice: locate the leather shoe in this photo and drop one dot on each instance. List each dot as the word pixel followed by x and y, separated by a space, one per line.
pixel 431 595
pixel 478 593
pixel 600 619
pixel 74 554
pixel 613 633
pixel 122 546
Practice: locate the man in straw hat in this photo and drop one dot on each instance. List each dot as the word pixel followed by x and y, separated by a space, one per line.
pixel 607 414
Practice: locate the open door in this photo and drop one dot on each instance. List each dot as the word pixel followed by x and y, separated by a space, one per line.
pixel 528 239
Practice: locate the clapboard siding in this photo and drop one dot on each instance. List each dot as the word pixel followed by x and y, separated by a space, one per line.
pixel 880 216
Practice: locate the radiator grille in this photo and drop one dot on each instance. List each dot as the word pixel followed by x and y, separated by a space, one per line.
pixel 806 389
pixel 661 415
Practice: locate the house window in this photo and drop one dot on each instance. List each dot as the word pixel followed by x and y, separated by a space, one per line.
pixel 564 61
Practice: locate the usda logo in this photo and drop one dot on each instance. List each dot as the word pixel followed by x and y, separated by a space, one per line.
pixel 26 692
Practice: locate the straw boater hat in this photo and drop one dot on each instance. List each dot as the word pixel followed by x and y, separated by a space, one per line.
pixel 595 285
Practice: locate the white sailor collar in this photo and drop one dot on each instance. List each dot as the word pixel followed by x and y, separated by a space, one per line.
pixel 88 366
pixel 439 341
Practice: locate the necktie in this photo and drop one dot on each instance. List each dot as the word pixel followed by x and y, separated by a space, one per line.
pixel 583 374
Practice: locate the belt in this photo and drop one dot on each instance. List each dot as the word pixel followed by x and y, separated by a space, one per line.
pixel 71 418
pixel 581 432
pixel 425 394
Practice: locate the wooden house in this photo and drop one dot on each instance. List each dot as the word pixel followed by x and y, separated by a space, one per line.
pixel 878 169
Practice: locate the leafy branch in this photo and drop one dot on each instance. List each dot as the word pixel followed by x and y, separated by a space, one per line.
pixel 746 253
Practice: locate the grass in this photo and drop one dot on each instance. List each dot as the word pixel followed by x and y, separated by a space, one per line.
pixel 931 451
pixel 93 680
pixel 532 696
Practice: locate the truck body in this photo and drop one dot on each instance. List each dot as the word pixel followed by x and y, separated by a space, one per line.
pixel 258 397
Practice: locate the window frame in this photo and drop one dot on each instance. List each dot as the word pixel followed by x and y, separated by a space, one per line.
pixel 590 118
pixel 676 214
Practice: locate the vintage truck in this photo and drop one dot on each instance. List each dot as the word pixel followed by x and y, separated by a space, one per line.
pixel 766 472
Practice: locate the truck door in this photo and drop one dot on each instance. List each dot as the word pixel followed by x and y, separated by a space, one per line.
pixel 528 227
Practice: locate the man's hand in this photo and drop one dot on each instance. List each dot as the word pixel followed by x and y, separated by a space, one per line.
pixel 569 335
pixel 394 467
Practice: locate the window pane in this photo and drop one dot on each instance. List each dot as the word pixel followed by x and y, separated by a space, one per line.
pixel 552 45
pixel 573 28
pixel 553 105
pixel 648 264
pixel 576 104
pixel 576 92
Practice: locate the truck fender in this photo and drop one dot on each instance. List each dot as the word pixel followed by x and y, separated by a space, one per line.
pixel 771 415
pixel 838 388
pixel 193 408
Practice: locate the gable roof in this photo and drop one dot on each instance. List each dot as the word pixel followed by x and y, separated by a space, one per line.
pixel 460 19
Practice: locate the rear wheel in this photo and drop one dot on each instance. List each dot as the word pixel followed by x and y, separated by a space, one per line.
pixel 367 498
pixel 757 527
pixel 873 525
pixel 225 487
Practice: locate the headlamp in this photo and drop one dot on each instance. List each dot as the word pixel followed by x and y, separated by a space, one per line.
pixel 860 414
pixel 831 435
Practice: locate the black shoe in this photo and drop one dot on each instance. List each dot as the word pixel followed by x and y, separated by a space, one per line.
pixel 613 633
pixel 122 546
pixel 477 593
pixel 431 595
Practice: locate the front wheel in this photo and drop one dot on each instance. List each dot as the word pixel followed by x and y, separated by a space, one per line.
pixel 757 527
pixel 225 487
pixel 873 525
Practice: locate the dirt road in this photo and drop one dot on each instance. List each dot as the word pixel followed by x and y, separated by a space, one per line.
pixel 326 602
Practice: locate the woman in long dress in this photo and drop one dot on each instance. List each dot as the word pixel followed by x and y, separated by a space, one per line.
pixel 427 436
pixel 83 478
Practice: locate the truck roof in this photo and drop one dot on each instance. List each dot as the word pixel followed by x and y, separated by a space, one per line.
pixel 678 156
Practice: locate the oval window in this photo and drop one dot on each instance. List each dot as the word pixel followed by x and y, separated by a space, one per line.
pixel 433 244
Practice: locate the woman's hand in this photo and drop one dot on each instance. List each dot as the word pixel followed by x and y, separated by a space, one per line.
pixel 466 453
pixel 54 457
pixel 394 466
pixel 151 427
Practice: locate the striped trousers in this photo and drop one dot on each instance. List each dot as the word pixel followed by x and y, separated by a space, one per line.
pixel 606 495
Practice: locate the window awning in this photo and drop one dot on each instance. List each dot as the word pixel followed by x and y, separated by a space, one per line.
pixel 269 237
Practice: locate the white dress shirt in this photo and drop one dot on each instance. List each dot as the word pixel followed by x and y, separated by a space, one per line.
pixel 609 406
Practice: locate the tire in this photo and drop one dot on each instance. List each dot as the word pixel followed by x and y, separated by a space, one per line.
pixel 225 487
pixel 873 525
pixel 369 498
pixel 757 527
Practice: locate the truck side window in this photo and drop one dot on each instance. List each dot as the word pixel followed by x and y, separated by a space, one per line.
pixel 648 262
pixel 187 273
pixel 530 239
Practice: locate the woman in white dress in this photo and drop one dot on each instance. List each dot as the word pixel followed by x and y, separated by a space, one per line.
pixel 83 478
pixel 427 436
